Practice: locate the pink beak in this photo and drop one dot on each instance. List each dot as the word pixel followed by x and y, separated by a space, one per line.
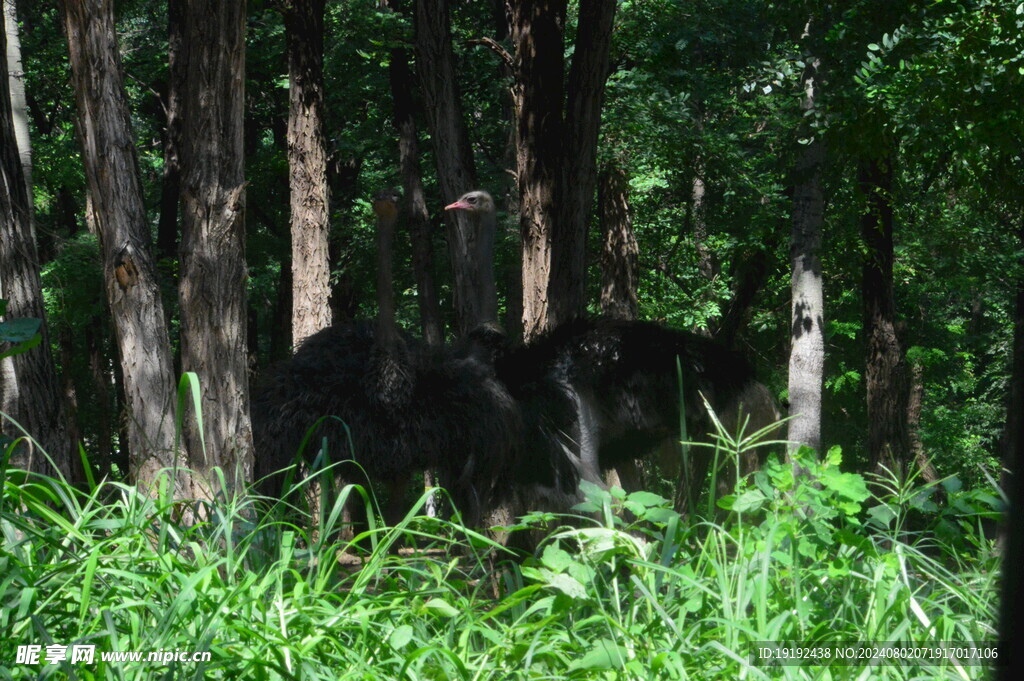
pixel 458 205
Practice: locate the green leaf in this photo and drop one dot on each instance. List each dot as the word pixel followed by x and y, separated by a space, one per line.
pixel 749 501
pixel 556 558
pixel 440 607
pixel 19 330
pixel 648 499
pixel 604 655
pixel 401 636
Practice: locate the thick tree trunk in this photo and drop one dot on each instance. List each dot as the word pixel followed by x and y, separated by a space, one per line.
pixel 435 64
pixel 1012 657
pixel 115 194
pixel 31 393
pixel 886 371
pixel 619 253
pixel 417 217
pixel 307 163
pixel 538 36
pixel 213 270
pixel 807 331
pixel 587 76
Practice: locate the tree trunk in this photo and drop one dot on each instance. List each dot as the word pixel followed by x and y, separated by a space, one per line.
pixel 307 163
pixel 213 271
pixel 1012 658
pixel 112 173
pixel 620 253
pixel 915 402
pixel 567 290
pixel 435 64
pixel 885 372
pixel 280 331
pixel 16 78
pixel 31 393
pixel 170 187
pixel 538 36
pixel 417 216
pixel 807 352
pixel 101 380
pixel 67 353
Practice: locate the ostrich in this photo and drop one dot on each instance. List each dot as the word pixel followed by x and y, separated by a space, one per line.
pixel 478 206
pixel 599 393
pixel 388 402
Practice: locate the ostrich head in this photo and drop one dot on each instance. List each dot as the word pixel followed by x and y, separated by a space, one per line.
pixel 478 203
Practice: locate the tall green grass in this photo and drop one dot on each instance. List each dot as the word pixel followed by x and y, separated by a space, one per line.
pixel 814 559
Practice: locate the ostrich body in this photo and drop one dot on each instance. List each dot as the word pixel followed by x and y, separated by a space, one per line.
pixel 388 402
pixel 600 393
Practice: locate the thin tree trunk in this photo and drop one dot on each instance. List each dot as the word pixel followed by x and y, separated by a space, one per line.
pixel 886 371
pixel 585 94
pixel 807 332
pixel 19 107
pixel 101 380
pixel 538 36
pixel 620 252
pixel 435 64
pixel 414 199
pixel 70 394
pixel 120 222
pixel 170 186
pixel 280 332
pixel 213 270
pixel 307 163
pixel 915 402
pixel 697 217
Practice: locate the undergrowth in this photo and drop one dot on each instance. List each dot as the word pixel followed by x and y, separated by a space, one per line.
pixel 626 589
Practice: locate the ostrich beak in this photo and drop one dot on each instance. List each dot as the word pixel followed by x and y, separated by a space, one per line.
pixel 458 205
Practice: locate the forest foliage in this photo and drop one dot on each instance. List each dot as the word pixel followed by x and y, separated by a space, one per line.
pixel 697 90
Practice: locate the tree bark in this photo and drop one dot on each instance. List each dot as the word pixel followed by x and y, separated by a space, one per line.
pixel 807 333
pixel 886 371
pixel 101 380
pixel 567 290
pixel 1012 658
pixel 417 217
pixel 170 186
pixel 538 36
pixel 620 253
pixel 435 64
pixel 307 163
pixel 115 192
pixel 31 392
pixel 213 270
pixel 19 107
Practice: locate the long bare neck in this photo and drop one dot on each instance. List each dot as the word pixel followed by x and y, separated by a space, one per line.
pixel 387 217
pixel 488 296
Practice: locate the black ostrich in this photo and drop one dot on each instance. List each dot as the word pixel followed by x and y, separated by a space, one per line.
pixel 387 402
pixel 597 394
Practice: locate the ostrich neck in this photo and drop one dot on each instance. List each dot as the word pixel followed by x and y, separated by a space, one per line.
pixel 386 328
pixel 487 294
